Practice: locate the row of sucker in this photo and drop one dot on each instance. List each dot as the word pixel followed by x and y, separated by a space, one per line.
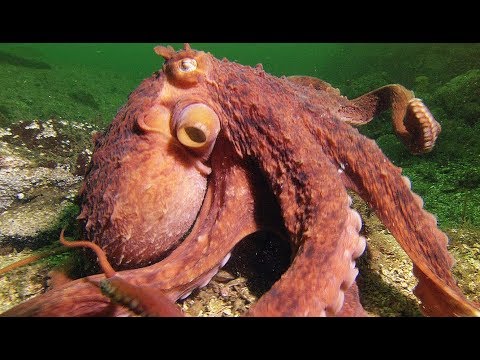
pixel 408 183
pixel 420 288
pixel 354 248
pixel 205 279
pixel 420 203
pixel 111 291
pixel 423 114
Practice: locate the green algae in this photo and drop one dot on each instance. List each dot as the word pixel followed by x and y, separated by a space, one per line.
pixel 84 98
pixel 460 96
pixel 15 60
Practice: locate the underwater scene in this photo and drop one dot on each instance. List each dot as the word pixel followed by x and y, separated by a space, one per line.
pixel 57 98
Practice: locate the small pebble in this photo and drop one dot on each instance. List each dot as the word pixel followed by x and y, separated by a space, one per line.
pixel 20 196
pixel 224 291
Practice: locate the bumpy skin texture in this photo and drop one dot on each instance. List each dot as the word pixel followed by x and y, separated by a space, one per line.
pixel 122 192
pixel 282 160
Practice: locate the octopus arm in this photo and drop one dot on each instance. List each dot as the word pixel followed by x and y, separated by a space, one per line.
pixel 352 306
pixel 241 203
pixel 369 172
pixel 314 82
pixel 322 227
pixel 320 280
pixel 83 297
pixel 80 297
pixel 412 121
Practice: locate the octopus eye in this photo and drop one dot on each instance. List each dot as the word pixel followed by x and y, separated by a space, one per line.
pixel 188 65
pixel 197 127
pixel 184 68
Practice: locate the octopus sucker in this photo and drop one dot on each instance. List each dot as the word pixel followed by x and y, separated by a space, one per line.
pixel 356 220
pixel 361 245
pixel 350 201
pixel 185 295
pixel 225 260
pixel 206 152
pixel 337 305
pixel 206 279
pixel 417 197
pixel 347 283
pixel 407 181
pixel 354 250
pixel 420 122
pixel 418 200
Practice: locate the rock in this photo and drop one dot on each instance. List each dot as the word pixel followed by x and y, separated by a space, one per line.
pixel 422 87
pixel 40 167
pixel 464 246
pixel 459 97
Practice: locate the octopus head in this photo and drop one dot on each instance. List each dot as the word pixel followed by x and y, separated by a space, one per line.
pixel 149 171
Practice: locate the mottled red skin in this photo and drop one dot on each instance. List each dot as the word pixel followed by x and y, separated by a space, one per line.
pixel 136 180
pixel 283 161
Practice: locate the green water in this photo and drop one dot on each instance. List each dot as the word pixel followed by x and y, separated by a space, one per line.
pixel 89 82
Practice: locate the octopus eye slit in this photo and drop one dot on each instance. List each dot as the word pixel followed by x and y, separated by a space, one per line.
pixel 196 135
pixel 193 136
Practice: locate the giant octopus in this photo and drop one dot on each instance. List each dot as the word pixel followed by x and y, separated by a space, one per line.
pixel 206 152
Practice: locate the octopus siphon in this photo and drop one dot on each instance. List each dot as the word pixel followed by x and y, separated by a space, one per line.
pixel 206 152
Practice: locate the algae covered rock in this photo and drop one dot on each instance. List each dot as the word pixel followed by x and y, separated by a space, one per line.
pixel 460 97
pixel 422 87
pixel 41 168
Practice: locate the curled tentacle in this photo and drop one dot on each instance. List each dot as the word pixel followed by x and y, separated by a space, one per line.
pixel 141 300
pixel 102 258
pixel 32 259
pixel 413 123
pixel 421 126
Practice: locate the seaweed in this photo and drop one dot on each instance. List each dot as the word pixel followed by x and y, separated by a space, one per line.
pixel 459 97
pixel 19 61
pixel 5 116
pixel 84 98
